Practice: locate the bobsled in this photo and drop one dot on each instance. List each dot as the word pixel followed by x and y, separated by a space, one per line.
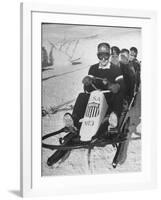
pixel 115 131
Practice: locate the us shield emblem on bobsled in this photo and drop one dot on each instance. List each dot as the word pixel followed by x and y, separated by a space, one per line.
pixel 94 114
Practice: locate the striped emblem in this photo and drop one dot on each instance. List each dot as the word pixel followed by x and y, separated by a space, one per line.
pixel 92 110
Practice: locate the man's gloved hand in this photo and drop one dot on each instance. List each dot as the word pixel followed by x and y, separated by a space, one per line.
pixel 105 81
pixel 87 80
pixel 114 88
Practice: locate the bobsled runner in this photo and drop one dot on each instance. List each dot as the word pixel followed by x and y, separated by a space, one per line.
pixel 116 133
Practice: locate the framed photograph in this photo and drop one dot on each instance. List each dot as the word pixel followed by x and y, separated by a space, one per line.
pixel 88 78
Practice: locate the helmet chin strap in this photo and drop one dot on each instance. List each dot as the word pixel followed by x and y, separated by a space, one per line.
pixel 103 66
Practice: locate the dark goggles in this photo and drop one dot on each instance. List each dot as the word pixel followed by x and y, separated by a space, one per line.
pixel 103 55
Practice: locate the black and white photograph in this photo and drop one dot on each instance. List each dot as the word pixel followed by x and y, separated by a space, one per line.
pixel 90 99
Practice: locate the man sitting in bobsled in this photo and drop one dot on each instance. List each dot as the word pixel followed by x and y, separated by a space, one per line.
pixel 101 76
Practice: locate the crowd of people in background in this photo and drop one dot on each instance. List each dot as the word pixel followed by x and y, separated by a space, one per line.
pixel 129 57
pixel 131 68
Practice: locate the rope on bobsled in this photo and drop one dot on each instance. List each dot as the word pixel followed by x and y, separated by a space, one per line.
pixel 97 143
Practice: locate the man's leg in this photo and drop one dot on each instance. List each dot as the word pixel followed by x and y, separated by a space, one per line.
pixel 117 103
pixel 79 108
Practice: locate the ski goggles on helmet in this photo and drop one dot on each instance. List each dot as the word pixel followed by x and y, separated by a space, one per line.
pixel 103 55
